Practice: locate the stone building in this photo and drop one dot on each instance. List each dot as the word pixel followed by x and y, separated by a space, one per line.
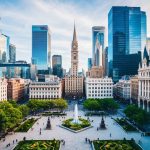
pixel 50 89
pixel 144 84
pixel 16 89
pixel 134 89
pixel 3 89
pixel 74 81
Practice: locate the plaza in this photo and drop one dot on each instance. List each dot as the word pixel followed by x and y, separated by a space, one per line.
pixel 74 141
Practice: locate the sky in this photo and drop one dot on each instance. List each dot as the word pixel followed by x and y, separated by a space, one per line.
pixel 18 16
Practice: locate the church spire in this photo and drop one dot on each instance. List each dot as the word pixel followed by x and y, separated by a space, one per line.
pixel 74 33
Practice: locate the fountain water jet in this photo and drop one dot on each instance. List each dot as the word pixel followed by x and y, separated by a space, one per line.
pixel 76 118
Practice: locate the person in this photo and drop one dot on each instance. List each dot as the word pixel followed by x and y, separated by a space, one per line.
pixel 110 134
pixel 16 140
pixel 13 141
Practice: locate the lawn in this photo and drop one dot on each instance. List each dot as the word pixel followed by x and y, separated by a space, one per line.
pixel 54 114
pixel 83 124
pixel 115 145
pixel 125 125
pixel 38 145
pixel 26 125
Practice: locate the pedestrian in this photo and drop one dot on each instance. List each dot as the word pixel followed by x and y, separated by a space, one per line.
pixel 16 140
pixel 13 141
pixel 110 135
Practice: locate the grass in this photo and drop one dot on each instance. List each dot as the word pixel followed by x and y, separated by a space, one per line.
pixel 125 125
pixel 115 145
pixel 38 145
pixel 26 125
pixel 54 113
pixel 83 124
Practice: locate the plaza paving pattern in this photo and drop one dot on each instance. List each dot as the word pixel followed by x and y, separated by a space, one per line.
pixel 74 141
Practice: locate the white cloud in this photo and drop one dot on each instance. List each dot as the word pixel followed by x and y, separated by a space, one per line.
pixel 18 18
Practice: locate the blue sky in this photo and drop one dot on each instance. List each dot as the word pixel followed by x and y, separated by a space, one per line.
pixel 18 16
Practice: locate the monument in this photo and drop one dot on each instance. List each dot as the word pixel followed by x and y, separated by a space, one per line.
pixel 102 124
pixel 48 126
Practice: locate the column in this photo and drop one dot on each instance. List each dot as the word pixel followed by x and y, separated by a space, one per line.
pixel 147 106
pixel 143 105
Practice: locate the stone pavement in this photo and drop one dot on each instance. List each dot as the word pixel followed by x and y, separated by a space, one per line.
pixel 74 141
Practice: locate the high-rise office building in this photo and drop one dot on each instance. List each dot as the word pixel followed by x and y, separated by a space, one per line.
pixel 148 45
pixel 12 53
pixel 89 63
pixel 57 65
pixel 4 48
pixel 98 38
pixel 105 59
pixel 126 36
pixel 41 47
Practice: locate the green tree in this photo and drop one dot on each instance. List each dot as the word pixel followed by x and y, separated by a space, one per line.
pixel 24 110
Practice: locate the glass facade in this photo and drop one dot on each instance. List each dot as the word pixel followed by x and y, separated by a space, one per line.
pixel 98 33
pixel 4 48
pixel 89 63
pixel 126 36
pixel 57 65
pixel 15 70
pixel 12 53
pixel 41 54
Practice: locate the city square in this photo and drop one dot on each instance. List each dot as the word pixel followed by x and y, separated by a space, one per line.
pixel 74 141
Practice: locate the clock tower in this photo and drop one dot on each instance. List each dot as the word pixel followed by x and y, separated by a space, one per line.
pixel 74 54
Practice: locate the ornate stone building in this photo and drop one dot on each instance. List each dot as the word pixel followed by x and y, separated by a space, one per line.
pixel 144 84
pixel 134 89
pixel 73 81
pixel 3 89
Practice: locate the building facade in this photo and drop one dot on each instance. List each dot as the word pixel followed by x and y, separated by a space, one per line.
pixel 126 36
pixel 12 53
pixel 50 89
pixel 99 88
pixel 89 63
pixel 148 45
pixel 4 48
pixel 122 89
pixel 3 89
pixel 98 43
pixel 16 89
pixel 41 47
pixel 74 81
pixel 57 65
pixel 134 89
pixel 144 85
pixel 95 72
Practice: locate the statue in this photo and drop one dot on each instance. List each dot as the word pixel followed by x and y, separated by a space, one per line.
pixel 48 126
pixel 102 124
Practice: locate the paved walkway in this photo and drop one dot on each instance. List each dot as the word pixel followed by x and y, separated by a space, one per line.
pixel 74 141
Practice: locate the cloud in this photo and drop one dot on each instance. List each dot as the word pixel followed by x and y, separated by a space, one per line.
pixel 19 16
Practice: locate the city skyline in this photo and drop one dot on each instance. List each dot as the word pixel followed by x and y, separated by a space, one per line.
pixel 17 24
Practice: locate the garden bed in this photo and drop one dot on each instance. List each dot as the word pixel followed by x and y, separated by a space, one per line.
pixel 76 127
pixel 115 145
pixel 125 125
pixel 38 145
pixel 53 114
pixel 26 125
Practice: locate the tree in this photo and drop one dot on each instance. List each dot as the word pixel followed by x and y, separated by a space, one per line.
pixel 24 110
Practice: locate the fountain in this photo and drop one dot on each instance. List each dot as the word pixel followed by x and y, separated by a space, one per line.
pixel 76 118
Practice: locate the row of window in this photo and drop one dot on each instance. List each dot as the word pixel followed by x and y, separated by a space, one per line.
pixel 100 88
pixel 44 88
pixel 100 91
pixel 94 84
pixel 98 95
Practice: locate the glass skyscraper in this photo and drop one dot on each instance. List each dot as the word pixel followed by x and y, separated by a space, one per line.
pixel 126 36
pixel 4 48
pixel 98 36
pixel 57 65
pixel 41 42
pixel 12 53
pixel 89 63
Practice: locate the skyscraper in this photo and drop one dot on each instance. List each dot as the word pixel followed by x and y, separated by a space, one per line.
pixel 57 65
pixel 4 48
pixel 126 36
pixel 89 63
pixel 98 38
pixel 41 47
pixel 12 53
pixel 148 45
